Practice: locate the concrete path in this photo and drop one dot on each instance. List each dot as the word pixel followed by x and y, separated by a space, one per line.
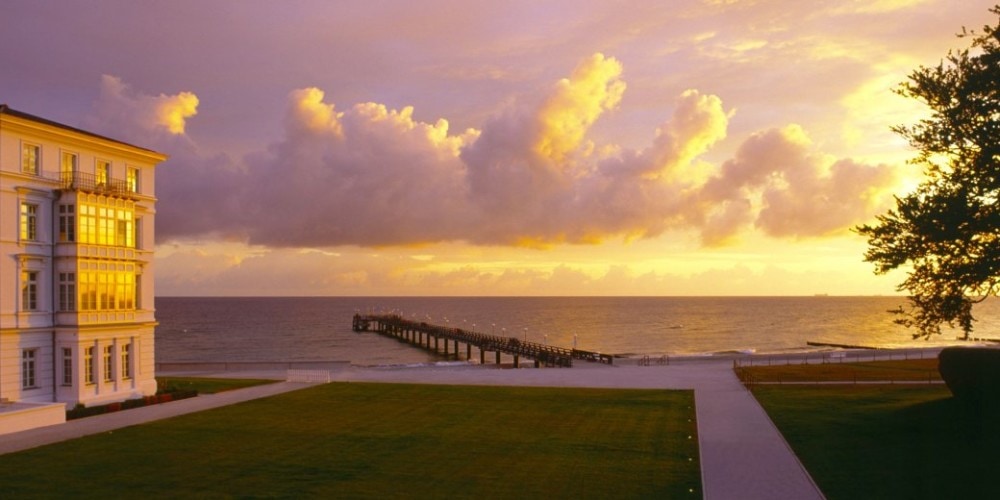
pixel 743 456
pixel 73 429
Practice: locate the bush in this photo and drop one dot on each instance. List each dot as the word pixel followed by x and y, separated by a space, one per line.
pixel 80 411
pixel 972 373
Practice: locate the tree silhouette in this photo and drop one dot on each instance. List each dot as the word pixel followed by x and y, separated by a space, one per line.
pixel 947 231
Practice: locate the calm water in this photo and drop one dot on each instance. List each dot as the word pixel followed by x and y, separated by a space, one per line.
pixel 319 328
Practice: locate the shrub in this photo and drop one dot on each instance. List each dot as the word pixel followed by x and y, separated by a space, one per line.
pixel 972 373
pixel 80 411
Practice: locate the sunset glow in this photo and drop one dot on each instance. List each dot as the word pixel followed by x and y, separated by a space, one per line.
pixel 523 148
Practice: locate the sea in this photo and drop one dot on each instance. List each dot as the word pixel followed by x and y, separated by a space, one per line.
pixel 319 328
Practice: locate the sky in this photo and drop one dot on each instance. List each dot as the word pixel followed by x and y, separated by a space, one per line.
pixel 574 147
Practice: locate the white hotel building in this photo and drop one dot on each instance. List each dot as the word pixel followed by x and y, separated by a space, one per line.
pixel 76 265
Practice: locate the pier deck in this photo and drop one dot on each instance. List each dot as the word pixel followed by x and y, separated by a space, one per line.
pixel 429 337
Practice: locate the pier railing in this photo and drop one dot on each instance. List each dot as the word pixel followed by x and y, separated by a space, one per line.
pixel 421 333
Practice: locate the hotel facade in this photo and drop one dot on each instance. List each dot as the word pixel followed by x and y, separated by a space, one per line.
pixel 76 264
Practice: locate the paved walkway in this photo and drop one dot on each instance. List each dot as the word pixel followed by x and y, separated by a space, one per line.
pixel 743 456
pixel 73 429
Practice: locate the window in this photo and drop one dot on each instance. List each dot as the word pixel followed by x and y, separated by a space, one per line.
pixel 127 360
pixel 125 238
pixel 67 291
pixel 68 166
pixel 28 368
pixel 29 221
pixel 88 365
pixel 29 290
pixel 132 179
pixel 30 158
pixel 107 221
pixel 102 173
pixel 109 370
pixel 138 291
pixel 67 366
pixel 67 223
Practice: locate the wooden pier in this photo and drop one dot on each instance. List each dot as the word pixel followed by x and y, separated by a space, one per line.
pixel 430 337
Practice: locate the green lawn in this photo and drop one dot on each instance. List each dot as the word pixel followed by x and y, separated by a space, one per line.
pixel 387 440
pixel 207 385
pixel 913 370
pixel 888 441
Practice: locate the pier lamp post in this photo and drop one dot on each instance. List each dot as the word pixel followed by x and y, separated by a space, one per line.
pixel 494 330
pixel 525 334
pixel 546 339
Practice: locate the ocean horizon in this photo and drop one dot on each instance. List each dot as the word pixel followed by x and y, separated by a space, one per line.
pixel 319 328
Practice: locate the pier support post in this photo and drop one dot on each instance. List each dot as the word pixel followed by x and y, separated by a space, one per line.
pixel 436 349
pixel 482 356
pixel 468 351
pixel 498 357
pixel 517 361
pixel 456 350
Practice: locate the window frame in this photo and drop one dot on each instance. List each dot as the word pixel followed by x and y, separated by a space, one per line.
pixel 29 290
pixel 28 221
pixel 67 223
pixel 67 292
pixel 29 368
pixel 126 367
pixel 102 172
pixel 88 365
pixel 67 378
pixel 132 178
pixel 36 156
pixel 109 367
pixel 68 172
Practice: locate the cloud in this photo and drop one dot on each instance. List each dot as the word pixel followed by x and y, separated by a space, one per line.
pixel 575 104
pixel 370 175
pixel 797 191
pixel 123 109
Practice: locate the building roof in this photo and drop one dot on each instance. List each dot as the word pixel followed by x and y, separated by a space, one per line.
pixel 7 110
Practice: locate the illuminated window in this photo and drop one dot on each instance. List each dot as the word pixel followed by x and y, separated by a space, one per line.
pixel 132 179
pixel 67 291
pixel 29 290
pixel 110 288
pixel 107 221
pixel 67 223
pixel 68 166
pixel 102 172
pixel 30 158
pixel 67 366
pixel 127 360
pixel 109 369
pixel 88 365
pixel 29 222
pixel 28 368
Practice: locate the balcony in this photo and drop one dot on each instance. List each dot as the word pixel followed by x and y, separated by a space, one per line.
pixel 90 183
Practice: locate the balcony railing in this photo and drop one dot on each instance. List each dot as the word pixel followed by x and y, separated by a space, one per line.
pixel 91 184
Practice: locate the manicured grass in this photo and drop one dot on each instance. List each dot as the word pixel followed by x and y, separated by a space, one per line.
pixel 207 385
pixel 888 441
pixel 388 440
pixel 914 370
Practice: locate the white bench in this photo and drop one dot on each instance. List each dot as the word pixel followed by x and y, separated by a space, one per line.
pixel 309 376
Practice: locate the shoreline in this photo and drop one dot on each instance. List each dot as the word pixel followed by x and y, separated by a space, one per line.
pixel 672 372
